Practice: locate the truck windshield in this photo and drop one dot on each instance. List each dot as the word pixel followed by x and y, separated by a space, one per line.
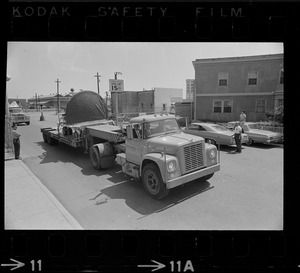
pixel 158 127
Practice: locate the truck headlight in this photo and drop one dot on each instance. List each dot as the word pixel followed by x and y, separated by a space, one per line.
pixel 212 153
pixel 171 166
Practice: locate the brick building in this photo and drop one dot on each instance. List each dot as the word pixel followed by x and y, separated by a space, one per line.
pixel 225 86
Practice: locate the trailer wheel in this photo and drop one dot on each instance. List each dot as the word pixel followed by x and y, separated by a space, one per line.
pixel 153 182
pixel 95 158
pixel 50 140
pixel 45 138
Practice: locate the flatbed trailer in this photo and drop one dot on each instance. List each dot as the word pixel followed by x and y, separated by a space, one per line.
pixel 83 134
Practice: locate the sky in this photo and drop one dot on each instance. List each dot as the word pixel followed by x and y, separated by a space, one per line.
pixel 34 67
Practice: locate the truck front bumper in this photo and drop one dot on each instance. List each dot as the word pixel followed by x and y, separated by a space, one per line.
pixel 192 176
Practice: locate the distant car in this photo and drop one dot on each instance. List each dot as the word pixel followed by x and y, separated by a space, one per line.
pixel 257 135
pixel 214 133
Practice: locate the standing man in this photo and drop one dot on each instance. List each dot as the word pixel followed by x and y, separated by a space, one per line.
pixel 242 117
pixel 238 137
pixel 16 141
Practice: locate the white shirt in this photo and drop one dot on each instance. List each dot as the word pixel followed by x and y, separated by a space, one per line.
pixel 238 129
pixel 243 117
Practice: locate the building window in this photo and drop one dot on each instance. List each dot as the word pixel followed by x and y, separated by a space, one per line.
pixel 281 77
pixel 222 106
pixel 217 106
pixel 260 106
pixel 227 106
pixel 223 79
pixel 252 78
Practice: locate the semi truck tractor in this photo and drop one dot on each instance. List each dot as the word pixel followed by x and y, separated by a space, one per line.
pixel 150 148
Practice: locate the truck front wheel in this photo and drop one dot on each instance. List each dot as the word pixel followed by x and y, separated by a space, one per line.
pixel 153 182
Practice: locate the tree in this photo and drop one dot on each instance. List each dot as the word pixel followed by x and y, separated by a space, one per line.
pixel 279 113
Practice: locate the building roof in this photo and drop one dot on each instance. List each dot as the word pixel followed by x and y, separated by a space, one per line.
pixel 239 59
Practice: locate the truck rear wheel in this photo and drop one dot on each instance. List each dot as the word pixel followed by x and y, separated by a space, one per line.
pixel 95 158
pixel 153 182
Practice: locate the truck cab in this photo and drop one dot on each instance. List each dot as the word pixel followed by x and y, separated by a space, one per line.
pixel 163 157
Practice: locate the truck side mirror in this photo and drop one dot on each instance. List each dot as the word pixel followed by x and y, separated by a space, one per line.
pixel 129 132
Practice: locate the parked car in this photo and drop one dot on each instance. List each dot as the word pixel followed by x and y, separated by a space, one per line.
pixel 214 133
pixel 255 134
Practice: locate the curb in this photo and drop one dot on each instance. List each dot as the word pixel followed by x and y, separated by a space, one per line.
pixel 69 218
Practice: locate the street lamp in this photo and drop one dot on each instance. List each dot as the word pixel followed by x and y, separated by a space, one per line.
pixel 57 87
pixel 116 75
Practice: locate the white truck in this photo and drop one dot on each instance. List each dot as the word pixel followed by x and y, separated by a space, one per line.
pixel 17 115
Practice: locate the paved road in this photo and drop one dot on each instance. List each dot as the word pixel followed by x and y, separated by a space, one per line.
pixel 246 194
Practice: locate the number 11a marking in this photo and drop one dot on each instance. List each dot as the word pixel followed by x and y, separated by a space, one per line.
pixel 39 262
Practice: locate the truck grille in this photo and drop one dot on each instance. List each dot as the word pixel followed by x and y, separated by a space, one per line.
pixel 193 156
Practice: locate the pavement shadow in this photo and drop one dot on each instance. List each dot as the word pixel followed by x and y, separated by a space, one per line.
pixel 67 154
pixel 265 146
pixel 137 199
pixel 232 149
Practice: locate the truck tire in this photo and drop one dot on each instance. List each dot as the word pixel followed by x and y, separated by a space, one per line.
pixel 50 140
pixel 45 138
pixel 28 122
pixel 95 158
pixel 153 182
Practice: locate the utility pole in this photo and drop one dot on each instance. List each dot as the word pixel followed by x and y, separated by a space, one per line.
pixel 106 97
pixel 117 98
pixel 57 87
pixel 35 101
pixel 98 80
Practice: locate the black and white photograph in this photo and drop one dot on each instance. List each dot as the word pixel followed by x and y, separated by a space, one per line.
pixel 144 136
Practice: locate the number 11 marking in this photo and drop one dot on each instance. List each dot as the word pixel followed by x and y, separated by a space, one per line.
pixel 39 262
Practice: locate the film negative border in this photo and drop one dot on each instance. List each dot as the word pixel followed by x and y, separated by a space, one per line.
pixel 156 21
pixel 143 251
